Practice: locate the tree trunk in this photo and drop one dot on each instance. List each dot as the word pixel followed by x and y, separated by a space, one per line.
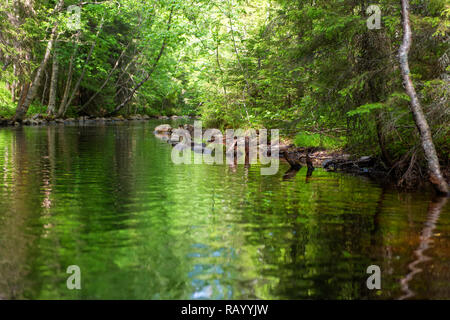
pixel 53 86
pixel 116 64
pixel 244 71
pixel 44 90
pixel 69 77
pixel 62 110
pixel 14 85
pixel 22 108
pixel 155 63
pixel 23 94
pixel 434 169
pixel 220 69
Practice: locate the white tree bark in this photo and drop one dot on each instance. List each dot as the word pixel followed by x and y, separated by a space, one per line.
pixel 434 169
pixel 22 108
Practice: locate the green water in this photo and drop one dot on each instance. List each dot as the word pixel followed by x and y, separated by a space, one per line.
pixel 109 199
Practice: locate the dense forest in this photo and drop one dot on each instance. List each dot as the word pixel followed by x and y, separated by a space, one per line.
pixel 313 68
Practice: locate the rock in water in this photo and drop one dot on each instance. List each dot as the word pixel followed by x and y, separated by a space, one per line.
pixel 163 128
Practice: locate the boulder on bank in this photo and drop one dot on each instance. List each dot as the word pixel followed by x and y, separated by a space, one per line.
pixel 135 117
pixel 164 128
pixel 117 119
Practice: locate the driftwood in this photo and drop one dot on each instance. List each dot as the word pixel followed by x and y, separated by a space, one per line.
pixel 295 157
pixel 360 165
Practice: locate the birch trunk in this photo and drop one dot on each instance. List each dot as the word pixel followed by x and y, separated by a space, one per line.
pixel 22 108
pixel 434 169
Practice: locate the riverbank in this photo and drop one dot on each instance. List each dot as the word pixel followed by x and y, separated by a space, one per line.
pixel 296 157
pixel 39 120
pixel 335 160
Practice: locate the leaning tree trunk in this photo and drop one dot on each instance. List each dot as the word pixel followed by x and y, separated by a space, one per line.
pixel 434 169
pixel 69 77
pixel 106 79
pixel 63 108
pixel 22 108
pixel 155 63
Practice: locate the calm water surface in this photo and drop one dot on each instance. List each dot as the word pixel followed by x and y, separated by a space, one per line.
pixel 109 199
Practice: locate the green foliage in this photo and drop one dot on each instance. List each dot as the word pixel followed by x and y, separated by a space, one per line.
pixel 7 108
pixel 293 65
pixel 366 108
pixel 308 139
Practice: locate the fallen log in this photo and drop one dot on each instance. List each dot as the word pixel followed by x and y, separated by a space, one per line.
pixel 348 165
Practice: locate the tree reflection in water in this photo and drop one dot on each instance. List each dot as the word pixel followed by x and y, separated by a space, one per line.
pixel 426 241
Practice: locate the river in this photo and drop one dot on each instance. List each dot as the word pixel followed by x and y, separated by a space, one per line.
pixel 108 199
